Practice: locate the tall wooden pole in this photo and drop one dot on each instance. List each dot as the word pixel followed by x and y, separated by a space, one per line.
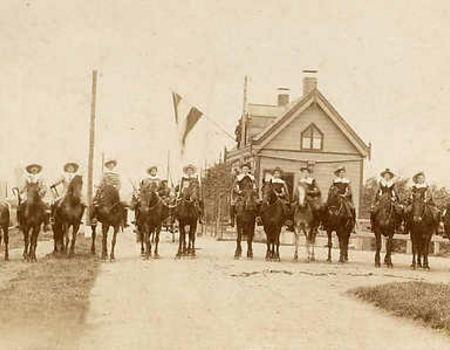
pixel 91 148
pixel 244 120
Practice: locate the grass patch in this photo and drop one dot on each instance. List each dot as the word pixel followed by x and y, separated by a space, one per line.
pixel 46 303
pixel 425 302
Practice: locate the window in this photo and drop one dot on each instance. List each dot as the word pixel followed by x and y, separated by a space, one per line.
pixel 312 138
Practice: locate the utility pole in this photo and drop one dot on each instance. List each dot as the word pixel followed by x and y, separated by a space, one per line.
pixel 244 120
pixel 91 148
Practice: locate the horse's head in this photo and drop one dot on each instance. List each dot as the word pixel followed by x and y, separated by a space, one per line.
pixel 75 187
pixel 110 196
pixel 301 190
pixel 269 195
pixel 149 195
pixel 191 193
pixel 33 193
pixel 417 208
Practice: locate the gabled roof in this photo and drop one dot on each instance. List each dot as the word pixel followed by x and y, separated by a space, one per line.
pixel 315 96
pixel 261 110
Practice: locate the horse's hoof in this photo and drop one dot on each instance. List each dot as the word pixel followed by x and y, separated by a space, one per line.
pixel 104 258
pixel 178 256
pixel 268 258
pixel 413 267
pixel 377 264
pixel 277 259
pixel 156 256
pixel 112 259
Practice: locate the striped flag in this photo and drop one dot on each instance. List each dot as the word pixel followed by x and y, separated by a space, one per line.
pixel 186 116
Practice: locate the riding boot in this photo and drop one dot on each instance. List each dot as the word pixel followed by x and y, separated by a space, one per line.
pixel 125 218
pixel 232 215
pixel 47 221
pixel 372 221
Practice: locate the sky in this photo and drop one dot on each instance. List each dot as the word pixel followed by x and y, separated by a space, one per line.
pixel 384 65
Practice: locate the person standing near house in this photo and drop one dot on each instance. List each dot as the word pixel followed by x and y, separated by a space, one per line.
pixel 341 185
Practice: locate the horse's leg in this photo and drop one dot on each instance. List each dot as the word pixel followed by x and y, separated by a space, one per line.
pixel 341 246
pixel 297 241
pixel 93 234
pixel 146 241
pixel 307 247
pixel 105 229
pixel 180 244
pixel 330 244
pixel 378 247
pixel 249 231
pixel 75 229
pixel 238 252
pixel 277 245
pixel 158 230
pixel 413 250
pixel 313 243
pixel 192 232
pixel 6 240
pixel 34 239
pixel 347 239
pixel 426 251
pixel 419 249
pixel 112 256
pixel 26 235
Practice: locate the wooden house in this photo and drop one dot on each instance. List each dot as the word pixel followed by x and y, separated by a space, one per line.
pixel 309 131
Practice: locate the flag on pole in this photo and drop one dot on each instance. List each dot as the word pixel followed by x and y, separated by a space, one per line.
pixel 186 116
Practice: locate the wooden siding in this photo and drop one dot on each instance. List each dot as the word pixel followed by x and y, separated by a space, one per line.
pixel 334 139
pixel 258 124
pixel 323 173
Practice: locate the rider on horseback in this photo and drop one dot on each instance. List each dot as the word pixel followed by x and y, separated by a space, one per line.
pixel 70 171
pixel 33 176
pixel 313 193
pixel 385 185
pixel 421 189
pixel 342 187
pixel 112 178
pixel 281 189
pixel 190 177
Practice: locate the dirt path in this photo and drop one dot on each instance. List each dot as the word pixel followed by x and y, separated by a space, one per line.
pixel 215 302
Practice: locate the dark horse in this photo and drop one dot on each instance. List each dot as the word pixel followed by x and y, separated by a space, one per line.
pixel 339 220
pixel 304 222
pixel 31 216
pixel 422 227
pixel 152 213
pixel 273 217
pixel 385 222
pixel 246 209
pixel 4 226
pixel 110 213
pixel 68 213
pixel 187 215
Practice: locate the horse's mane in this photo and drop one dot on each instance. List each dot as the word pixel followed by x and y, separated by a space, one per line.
pixel 110 194
pixel 77 180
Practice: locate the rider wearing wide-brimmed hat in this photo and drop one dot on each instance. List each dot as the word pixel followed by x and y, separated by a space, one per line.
pixel 188 178
pixel 342 186
pixel 386 185
pixel 313 193
pixel 421 189
pixel 33 175
pixel 70 170
pixel 112 178
pixel 281 189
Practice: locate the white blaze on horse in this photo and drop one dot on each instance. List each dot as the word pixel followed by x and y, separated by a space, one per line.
pixel 304 223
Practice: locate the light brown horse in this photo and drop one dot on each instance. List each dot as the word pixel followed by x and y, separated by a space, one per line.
pixel 4 226
pixel 304 222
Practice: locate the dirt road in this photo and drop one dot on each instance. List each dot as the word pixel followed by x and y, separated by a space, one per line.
pixel 215 302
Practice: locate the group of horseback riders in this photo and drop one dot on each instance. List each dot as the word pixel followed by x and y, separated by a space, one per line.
pixel 33 176
pixel 341 185
pixel 313 193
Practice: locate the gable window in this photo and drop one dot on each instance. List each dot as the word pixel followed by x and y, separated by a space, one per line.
pixel 312 138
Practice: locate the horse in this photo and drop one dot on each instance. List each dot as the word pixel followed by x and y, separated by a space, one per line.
pixel 385 222
pixel 68 212
pixel 30 216
pixel 304 222
pixel 245 219
pixel 110 213
pixel 422 227
pixel 187 215
pixel 4 226
pixel 339 220
pixel 152 213
pixel 273 217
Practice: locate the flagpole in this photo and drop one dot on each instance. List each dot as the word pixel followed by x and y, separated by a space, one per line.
pixel 91 147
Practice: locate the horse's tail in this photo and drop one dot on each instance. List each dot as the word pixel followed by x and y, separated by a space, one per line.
pixel 16 191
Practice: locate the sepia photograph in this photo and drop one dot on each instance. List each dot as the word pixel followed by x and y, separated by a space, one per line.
pixel 224 174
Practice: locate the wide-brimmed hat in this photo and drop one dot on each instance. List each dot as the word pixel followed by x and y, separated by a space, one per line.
pixel 71 164
pixel 304 167
pixel 387 171
pixel 33 165
pixel 111 161
pixel 151 168
pixel 339 169
pixel 190 166
pixel 246 164
pixel 420 173
pixel 278 169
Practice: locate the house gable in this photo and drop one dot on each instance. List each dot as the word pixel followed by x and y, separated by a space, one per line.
pixel 285 131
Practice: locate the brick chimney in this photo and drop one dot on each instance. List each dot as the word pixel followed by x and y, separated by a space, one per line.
pixel 283 96
pixel 309 81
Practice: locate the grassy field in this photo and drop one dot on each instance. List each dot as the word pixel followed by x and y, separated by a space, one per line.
pixel 44 306
pixel 425 302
